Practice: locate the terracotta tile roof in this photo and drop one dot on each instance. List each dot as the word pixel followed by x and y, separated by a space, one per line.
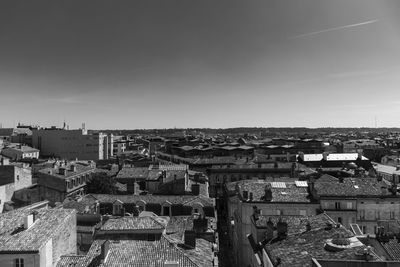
pixel 299 249
pixel 350 187
pixel 291 192
pixel 130 223
pixel 156 199
pixel 80 169
pixel 296 223
pixel 133 173
pixel 14 238
pixel 392 248
pixel 138 253
pixel 92 258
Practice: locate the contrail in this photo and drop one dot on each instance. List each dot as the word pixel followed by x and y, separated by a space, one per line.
pixel 334 29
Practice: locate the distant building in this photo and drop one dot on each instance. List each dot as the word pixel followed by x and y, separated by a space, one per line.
pixel 17 152
pixel 64 179
pixel 36 237
pixel 71 144
pixel 326 159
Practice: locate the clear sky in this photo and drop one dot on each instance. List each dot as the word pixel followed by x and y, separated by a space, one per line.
pixel 209 63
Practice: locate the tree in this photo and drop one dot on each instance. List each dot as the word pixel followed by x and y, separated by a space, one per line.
pixel 101 183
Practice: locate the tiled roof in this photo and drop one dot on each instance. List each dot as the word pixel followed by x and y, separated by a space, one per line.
pixel 156 199
pixel 296 224
pixel 299 249
pixel 392 248
pixel 133 173
pixel 351 187
pixel 138 253
pixel 132 223
pixel 24 149
pixel 291 193
pixel 80 168
pixel 92 258
pixel 14 238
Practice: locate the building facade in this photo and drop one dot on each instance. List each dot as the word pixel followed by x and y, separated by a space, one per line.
pixel 71 144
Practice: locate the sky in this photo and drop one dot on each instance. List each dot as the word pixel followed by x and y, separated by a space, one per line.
pixel 212 63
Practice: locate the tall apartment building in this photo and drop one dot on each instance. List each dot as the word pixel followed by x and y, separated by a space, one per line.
pixel 72 144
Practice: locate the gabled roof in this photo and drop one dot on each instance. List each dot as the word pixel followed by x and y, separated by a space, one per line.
pixel 14 238
pixel 138 253
pixel 352 187
pixel 132 223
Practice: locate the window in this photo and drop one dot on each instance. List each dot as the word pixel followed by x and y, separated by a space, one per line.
pixel 17 177
pixel 362 214
pixel 337 205
pixel 349 205
pixel 377 215
pixel 392 215
pixel 279 212
pixel 303 212
pixel 340 220
pixel 19 262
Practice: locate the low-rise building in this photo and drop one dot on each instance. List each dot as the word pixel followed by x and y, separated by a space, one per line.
pixel 64 179
pixel 363 201
pixel 269 198
pixel 13 178
pixel 36 237
pixel 310 241
pixel 17 152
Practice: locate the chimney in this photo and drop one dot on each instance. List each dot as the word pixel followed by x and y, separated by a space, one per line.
pixel 301 156
pixel 308 226
pixel 105 247
pixel 267 193
pixel 384 191
pixel 28 221
pixel 270 229
pixel 282 228
pixel 360 154
pixel 190 238
pixel 325 156
pixel 245 195
pixel 200 225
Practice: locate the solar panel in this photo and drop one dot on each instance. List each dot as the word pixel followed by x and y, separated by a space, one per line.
pixel 278 185
pixel 301 183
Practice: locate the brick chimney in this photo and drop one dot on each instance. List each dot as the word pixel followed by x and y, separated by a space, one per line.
pixel 28 221
pixel 267 193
